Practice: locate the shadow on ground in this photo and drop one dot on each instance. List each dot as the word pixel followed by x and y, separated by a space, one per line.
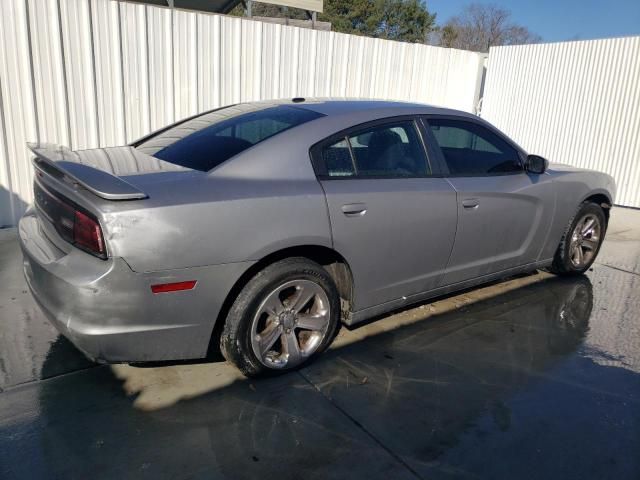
pixel 503 388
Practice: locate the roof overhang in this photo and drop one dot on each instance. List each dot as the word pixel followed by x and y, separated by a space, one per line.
pixel 310 5
pixel 225 6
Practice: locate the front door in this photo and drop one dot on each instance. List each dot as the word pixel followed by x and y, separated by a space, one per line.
pixel 391 219
pixel 504 213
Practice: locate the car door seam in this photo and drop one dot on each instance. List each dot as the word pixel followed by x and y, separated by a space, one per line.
pixel 455 234
pixel 554 213
pixel 326 205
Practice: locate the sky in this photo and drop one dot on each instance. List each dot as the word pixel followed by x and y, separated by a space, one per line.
pixel 558 20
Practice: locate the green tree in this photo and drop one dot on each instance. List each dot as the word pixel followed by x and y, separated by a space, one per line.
pixel 406 20
pixel 403 20
pixel 360 17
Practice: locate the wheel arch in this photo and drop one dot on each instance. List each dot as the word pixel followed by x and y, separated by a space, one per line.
pixel 335 264
pixel 601 198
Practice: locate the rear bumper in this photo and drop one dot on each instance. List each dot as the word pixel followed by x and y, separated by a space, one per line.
pixel 109 312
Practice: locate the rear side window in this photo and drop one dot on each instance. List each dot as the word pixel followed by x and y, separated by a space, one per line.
pixel 473 150
pixel 390 150
pixel 204 142
pixel 338 161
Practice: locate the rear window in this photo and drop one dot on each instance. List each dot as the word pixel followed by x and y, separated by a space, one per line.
pixel 204 142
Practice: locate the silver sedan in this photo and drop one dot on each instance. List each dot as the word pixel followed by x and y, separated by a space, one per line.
pixel 260 227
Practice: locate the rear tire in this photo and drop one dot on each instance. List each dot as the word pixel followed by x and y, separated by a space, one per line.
pixel 581 241
pixel 285 315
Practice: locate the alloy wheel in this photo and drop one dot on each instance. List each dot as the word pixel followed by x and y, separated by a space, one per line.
pixel 585 240
pixel 290 324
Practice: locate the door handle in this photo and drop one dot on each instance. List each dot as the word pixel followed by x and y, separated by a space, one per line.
pixel 470 203
pixel 354 209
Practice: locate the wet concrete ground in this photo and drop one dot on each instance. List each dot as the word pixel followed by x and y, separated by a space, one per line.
pixel 536 377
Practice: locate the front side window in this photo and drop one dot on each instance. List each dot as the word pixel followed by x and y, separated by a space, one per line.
pixel 473 150
pixel 204 142
pixel 389 150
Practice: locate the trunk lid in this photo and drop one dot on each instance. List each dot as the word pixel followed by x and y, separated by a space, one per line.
pixel 74 190
pixel 113 173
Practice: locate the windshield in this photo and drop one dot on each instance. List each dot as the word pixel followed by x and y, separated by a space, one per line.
pixel 204 142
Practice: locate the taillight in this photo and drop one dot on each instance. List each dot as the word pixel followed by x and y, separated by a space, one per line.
pixel 75 226
pixel 88 235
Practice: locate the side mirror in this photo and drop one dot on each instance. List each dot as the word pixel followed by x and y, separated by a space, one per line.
pixel 536 164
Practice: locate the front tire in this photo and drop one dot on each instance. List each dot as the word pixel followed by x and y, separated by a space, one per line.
pixel 581 241
pixel 285 315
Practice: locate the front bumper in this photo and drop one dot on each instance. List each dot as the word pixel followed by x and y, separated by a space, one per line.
pixel 109 312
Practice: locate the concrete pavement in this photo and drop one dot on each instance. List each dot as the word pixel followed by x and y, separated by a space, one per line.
pixel 536 377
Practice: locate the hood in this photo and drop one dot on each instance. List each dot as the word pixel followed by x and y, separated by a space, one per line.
pixel 563 167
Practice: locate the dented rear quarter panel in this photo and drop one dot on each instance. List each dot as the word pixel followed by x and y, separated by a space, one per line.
pixel 213 221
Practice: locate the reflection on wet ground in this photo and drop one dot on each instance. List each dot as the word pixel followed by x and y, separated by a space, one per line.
pixel 537 377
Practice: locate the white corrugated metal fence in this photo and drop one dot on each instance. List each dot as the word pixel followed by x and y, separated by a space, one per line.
pixel 572 102
pixel 88 73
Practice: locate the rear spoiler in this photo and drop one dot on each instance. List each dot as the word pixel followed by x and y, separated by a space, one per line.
pixel 63 164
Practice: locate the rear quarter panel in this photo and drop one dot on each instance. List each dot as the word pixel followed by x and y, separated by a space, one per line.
pixel 211 221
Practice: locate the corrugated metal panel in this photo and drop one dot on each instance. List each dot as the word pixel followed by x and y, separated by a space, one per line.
pixel 77 43
pixel 270 78
pixel 323 64
pixel 251 60
pixel 185 65
pixel 134 48
pixel 339 64
pixel 230 70
pixel 305 85
pixel 105 21
pixel 89 73
pixel 573 102
pixel 208 62
pixel 160 39
pixel 289 46
pixel 50 83
pixel 17 109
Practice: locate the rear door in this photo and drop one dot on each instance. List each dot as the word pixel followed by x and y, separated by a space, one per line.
pixel 504 213
pixel 392 217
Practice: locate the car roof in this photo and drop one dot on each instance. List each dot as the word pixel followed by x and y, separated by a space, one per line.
pixel 331 106
pixel 286 149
